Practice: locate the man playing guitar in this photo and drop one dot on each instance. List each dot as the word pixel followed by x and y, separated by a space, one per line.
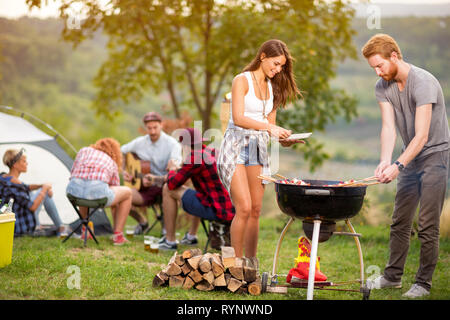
pixel 164 154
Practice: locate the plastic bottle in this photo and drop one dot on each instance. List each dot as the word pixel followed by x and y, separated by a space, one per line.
pixel 6 207
pixel 10 206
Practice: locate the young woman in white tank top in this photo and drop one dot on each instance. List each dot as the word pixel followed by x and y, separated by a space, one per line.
pixel 266 83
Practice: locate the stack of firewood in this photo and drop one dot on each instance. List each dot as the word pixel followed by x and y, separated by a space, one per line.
pixel 209 271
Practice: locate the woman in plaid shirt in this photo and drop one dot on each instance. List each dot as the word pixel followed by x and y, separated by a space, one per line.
pixel 95 175
pixel 266 84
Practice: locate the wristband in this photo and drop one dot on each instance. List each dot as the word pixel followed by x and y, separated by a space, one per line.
pixel 399 165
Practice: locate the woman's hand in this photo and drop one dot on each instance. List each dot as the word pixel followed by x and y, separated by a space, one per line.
pixel 288 143
pixel 278 132
pixel 47 188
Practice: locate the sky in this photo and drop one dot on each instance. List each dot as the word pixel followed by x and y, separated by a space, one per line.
pixel 18 8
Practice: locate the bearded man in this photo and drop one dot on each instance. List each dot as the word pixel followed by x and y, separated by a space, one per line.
pixel 411 99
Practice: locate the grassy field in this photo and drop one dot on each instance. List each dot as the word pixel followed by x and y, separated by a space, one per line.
pixel 42 268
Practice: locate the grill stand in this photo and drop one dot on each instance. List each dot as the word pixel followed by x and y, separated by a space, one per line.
pixel 312 264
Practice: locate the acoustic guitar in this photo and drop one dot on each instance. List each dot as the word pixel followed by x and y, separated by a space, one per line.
pixel 137 168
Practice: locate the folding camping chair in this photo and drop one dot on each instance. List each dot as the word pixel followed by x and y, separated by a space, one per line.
pixel 158 211
pixel 93 206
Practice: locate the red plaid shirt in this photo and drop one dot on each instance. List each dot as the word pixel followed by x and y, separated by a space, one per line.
pixel 93 164
pixel 202 171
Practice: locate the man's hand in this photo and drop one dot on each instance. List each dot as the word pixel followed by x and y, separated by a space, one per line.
pixel 152 180
pixel 172 165
pixel 380 168
pixel 389 174
pixel 126 176
pixel 147 180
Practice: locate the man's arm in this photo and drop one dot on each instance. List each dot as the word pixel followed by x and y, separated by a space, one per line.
pixel 387 136
pixel 176 179
pixel 422 127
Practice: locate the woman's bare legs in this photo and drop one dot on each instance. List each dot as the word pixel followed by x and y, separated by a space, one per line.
pixel 240 194
pixel 120 206
pixel 256 189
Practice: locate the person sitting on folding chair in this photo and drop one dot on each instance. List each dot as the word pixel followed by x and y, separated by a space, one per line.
pixel 210 200
pixel 95 175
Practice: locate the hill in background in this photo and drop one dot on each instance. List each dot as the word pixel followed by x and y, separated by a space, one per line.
pixel 41 74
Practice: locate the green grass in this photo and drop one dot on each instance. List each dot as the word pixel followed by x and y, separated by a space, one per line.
pixel 39 267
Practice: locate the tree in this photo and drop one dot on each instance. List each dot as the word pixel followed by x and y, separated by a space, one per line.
pixel 192 49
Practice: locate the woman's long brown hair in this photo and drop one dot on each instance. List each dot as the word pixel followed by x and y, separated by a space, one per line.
pixel 283 83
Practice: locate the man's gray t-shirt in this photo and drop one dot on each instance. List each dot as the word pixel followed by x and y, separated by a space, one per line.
pixel 421 88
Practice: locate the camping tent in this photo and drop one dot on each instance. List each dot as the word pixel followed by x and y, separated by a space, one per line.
pixel 47 162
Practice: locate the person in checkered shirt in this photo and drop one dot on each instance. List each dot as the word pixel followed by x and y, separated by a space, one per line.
pixel 210 200
pixel 95 175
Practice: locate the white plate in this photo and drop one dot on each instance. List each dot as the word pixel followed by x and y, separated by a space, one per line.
pixel 298 136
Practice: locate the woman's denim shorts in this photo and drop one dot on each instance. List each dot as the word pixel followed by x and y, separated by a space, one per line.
pixel 90 189
pixel 249 155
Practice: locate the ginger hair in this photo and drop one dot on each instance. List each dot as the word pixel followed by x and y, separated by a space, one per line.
pixel 381 44
pixel 111 147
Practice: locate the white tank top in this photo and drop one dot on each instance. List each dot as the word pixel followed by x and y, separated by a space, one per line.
pixel 253 107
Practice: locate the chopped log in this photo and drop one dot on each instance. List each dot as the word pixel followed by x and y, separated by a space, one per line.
pixel 237 272
pixel 242 290
pixel 187 254
pixel 158 280
pixel 239 262
pixel 204 286
pixel 276 289
pixel 163 275
pixel 172 259
pixel 186 268
pixel 209 276
pixel 196 276
pixel 220 281
pixel 173 269
pixel 234 284
pixel 179 260
pixel 216 264
pixel 204 264
pixel 227 278
pixel 254 288
pixel 249 274
pixel 176 281
pixel 188 283
pixel 228 257
pixel 193 262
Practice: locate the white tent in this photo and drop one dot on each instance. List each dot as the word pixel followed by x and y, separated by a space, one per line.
pixel 47 161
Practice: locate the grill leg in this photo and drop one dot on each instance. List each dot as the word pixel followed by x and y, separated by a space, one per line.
pixel 358 245
pixel 277 250
pixel 312 262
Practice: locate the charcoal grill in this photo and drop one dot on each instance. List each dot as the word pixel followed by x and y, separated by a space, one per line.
pixel 317 204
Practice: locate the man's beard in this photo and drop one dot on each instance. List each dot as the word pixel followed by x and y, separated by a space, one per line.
pixel 391 74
